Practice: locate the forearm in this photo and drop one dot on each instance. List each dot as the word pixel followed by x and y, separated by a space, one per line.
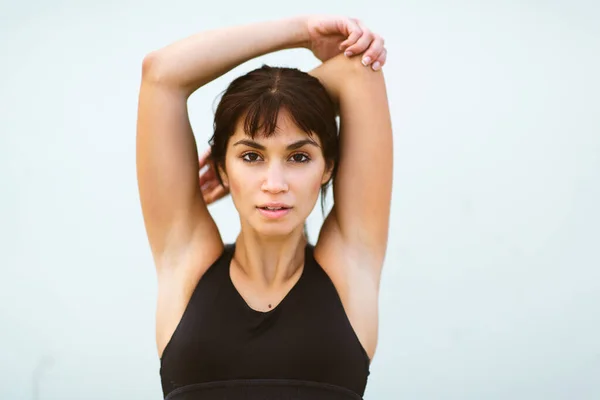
pixel 193 62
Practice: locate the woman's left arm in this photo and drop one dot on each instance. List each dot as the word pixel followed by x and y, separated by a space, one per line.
pixel 357 225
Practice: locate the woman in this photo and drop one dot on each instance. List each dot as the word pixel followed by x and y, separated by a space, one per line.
pixel 269 316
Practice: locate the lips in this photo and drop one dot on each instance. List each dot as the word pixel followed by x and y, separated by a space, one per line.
pixel 274 206
pixel 274 211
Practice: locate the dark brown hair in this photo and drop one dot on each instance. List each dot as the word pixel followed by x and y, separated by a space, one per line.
pixel 260 95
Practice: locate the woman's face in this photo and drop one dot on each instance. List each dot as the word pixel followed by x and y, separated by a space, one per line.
pixel 275 182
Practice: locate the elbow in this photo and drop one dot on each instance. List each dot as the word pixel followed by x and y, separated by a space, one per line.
pixel 159 70
pixel 151 67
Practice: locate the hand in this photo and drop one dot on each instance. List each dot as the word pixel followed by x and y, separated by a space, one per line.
pixel 212 190
pixel 331 35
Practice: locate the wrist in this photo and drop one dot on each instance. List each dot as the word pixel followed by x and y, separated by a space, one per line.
pixel 300 37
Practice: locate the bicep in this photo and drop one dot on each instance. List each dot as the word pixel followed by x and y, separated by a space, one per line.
pixel 167 171
pixel 363 183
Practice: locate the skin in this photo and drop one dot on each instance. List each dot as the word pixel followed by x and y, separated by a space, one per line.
pixel 275 173
pixel 288 168
pixel 269 257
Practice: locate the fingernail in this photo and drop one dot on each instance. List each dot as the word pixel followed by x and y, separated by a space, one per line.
pixel 366 61
pixel 376 65
pixel 348 53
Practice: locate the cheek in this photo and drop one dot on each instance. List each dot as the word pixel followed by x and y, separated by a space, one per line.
pixel 320 176
pixel 234 187
pixel 233 176
pixel 317 184
pixel 310 183
pixel 243 182
pixel 239 187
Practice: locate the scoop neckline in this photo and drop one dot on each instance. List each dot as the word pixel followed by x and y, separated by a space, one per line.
pixel 285 298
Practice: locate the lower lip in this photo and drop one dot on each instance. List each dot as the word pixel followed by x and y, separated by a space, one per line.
pixel 274 214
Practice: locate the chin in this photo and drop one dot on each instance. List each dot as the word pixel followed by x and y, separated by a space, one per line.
pixel 271 229
pixel 276 227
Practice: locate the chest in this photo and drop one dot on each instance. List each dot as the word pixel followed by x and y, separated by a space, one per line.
pixel 240 340
pixel 305 338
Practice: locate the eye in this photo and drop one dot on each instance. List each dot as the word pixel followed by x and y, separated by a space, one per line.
pixel 250 157
pixel 300 158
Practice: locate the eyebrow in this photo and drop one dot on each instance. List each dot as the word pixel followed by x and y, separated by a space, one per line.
pixel 292 146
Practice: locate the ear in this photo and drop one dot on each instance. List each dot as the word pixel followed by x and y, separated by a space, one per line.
pixel 223 176
pixel 327 173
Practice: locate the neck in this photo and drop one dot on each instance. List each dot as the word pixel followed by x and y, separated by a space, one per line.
pixel 269 261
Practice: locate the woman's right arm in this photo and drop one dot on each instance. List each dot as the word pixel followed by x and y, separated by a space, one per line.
pixel 179 227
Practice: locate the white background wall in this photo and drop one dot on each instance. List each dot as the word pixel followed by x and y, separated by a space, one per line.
pixel 491 287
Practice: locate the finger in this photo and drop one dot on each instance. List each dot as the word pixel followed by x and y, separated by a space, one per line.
pixel 374 51
pixel 204 158
pixel 207 176
pixel 207 199
pixel 213 192
pixel 205 180
pixel 354 32
pixel 362 43
pixel 208 186
pixel 377 65
pixel 216 194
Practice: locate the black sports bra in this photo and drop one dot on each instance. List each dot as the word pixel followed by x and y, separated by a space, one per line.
pixel 304 348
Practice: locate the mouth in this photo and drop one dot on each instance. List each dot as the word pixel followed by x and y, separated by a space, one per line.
pixel 274 211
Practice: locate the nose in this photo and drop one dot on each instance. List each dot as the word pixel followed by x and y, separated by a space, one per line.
pixel 275 181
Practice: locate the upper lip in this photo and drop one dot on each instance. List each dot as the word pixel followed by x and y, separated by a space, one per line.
pixel 274 205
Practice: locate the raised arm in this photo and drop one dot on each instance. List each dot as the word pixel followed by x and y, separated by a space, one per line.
pixel 357 227
pixel 178 224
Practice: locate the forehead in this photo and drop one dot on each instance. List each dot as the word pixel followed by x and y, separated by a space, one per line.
pixel 286 131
